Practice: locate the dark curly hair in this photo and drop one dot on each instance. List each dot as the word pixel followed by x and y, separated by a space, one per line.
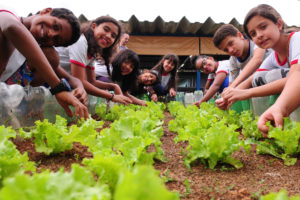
pixel 68 15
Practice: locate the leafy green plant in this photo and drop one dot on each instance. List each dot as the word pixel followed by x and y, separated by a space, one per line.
pixel 283 143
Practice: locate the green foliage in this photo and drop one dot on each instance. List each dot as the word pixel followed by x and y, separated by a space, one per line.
pixel 55 138
pixel 284 143
pixel 142 183
pixel 78 184
pixel 12 162
pixel 249 124
pixel 210 133
pixel 281 195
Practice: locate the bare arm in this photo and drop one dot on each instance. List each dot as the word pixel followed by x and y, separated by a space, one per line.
pixel 286 103
pixel 23 40
pixel 91 77
pixel 213 89
pixel 251 66
pixel 135 100
pixel 80 73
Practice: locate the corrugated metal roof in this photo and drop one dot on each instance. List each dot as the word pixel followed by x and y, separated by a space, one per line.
pixel 181 28
pixel 159 27
pixel 162 28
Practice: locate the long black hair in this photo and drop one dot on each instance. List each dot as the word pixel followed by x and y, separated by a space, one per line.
pixel 127 81
pixel 93 48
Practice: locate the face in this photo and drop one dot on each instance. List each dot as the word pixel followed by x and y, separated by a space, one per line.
pixel 105 34
pixel 50 31
pixel 168 65
pixel 148 78
pixel 126 67
pixel 124 39
pixel 264 32
pixel 205 65
pixel 233 45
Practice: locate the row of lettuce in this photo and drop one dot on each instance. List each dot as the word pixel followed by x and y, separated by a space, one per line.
pixel 121 167
pixel 122 162
pixel 214 135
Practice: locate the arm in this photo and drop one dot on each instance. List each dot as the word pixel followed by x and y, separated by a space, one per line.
pixel 135 100
pixel 91 77
pixel 79 91
pixel 207 85
pixel 251 66
pixel 219 79
pixel 172 92
pixel 23 40
pixel 286 103
pixel 80 73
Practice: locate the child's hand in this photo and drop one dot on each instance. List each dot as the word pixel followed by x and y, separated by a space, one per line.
pixel 222 104
pixel 172 92
pixel 273 114
pixel 121 99
pixel 81 95
pixel 117 89
pixel 197 103
pixel 66 99
pixel 154 97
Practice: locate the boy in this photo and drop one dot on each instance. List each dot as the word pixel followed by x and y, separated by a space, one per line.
pixel 20 39
pixel 245 56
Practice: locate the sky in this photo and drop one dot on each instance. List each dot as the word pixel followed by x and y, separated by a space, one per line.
pixel 170 10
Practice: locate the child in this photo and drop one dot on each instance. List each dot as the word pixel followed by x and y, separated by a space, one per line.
pixel 18 41
pixel 266 28
pixel 144 83
pixel 167 73
pixel 245 57
pixel 99 39
pixel 218 71
pixel 126 66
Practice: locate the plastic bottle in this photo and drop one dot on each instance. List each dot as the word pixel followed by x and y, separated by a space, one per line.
pixel 189 99
pixel 198 94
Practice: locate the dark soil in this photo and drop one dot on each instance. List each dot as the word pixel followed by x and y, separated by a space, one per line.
pixel 260 174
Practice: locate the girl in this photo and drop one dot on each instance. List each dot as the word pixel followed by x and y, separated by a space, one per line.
pixel 98 39
pixel 125 72
pixel 20 39
pixel 266 28
pixel 218 71
pixel 167 73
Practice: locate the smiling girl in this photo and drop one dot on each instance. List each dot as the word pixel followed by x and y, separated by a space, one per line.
pixel 167 75
pixel 99 39
pixel 266 28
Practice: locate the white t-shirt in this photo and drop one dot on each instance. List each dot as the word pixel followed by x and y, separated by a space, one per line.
pixel 294 48
pixel 272 62
pixel 223 66
pixel 165 79
pixel 237 65
pixel 101 69
pixel 64 58
pixel 78 53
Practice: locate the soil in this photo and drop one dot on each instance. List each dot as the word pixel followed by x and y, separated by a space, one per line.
pixel 260 174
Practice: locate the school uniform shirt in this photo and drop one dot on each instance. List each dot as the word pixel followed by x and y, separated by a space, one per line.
pixel 236 64
pixel 223 66
pixel 78 53
pixel 165 79
pixel 101 69
pixel 271 69
pixel 294 48
pixel 64 58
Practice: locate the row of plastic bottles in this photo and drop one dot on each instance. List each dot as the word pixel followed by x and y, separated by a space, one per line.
pixel 190 97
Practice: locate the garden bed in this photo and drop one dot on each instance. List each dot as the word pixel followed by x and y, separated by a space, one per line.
pixel 260 174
